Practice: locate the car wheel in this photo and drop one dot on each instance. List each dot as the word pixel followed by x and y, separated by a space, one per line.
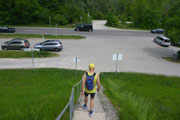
pixel 56 50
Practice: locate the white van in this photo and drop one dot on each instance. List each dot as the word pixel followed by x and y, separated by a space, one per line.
pixel 163 41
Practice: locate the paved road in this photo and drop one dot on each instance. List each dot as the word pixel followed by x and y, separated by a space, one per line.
pixel 141 54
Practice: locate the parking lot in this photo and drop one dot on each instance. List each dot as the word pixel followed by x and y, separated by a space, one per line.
pixel 140 53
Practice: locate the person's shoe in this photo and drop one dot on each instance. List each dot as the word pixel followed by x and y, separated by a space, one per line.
pixel 85 107
pixel 91 113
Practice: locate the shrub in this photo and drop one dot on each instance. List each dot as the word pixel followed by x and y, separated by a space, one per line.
pixel 123 18
pixel 60 19
pixel 112 19
pixel 99 16
pixel 178 55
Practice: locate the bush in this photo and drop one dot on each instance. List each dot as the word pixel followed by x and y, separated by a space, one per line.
pixel 99 16
pixel 112 19
pixel 60 19
pixel 178 55
pixel 123 18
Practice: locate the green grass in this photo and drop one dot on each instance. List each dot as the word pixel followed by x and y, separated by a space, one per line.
pixel 35 94
pixel 170 59
pixel 23 54
pixel 126 26
pixel 143 97
pixel 40 36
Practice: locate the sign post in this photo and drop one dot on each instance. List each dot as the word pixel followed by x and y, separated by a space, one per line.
pixel 76 60
pixel 117 57
pixel 42 36
pixel 56 30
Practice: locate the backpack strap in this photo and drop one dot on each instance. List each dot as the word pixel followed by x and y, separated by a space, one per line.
pixel 94 74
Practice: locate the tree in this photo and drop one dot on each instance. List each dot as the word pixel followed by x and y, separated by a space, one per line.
pixel 112 18
pixel 172 24
pixel 138 12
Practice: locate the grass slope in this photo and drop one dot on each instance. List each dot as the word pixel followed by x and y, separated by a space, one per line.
pixel 40 36
pixel 35 94
pixel 142 96
pixel 22 54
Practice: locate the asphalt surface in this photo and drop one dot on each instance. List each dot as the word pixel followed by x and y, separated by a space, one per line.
pixel 140 53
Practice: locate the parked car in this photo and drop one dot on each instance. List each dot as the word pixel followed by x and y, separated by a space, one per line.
pixel 157 31
pixel 15 44
pixel 173 43
pixel 49 45
pixel 84 27
pixel 163 41
pixel 7 30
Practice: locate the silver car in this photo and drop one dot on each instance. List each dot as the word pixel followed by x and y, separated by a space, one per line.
pixel 15 44
pixel 49 45
pixel 163 41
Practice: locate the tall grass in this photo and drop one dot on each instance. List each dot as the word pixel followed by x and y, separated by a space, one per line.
pixel 35 94
pixel 23 54
pixel 143 97
pixel 40 36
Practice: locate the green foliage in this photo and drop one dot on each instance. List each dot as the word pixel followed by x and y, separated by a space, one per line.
pixel 19 12
pixel 112 18
pixel 146 14
pixel 172 24
pixel 86 18
pixel 22 54
pixel 40 36
pixel 143 97
pixel 60 19
pixel 178 55
pixel 35 94
pixel 123 18
pixel 98 16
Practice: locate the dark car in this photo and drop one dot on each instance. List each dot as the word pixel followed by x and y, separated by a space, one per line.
pixel 173 43
pixel 7 30
pixel 157 31
pixel 84 27
pixel 49 45
pixel 15 44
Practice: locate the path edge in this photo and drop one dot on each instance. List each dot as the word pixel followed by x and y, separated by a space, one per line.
pixel 111 112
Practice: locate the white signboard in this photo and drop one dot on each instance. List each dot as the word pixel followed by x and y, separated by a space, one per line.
pixel 117 57
pixel 76 59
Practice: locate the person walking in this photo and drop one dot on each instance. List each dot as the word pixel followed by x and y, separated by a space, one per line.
pixel 91 83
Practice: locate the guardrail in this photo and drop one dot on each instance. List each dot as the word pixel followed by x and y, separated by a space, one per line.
pixel 70 104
